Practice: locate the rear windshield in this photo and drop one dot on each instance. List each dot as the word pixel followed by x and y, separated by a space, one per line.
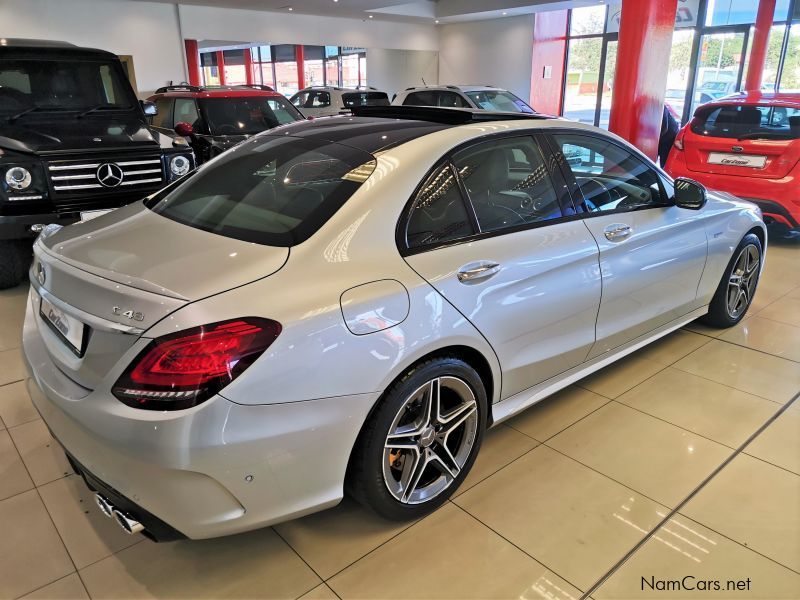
pixel 248 114
pixel 270 190
pixel 499 100
pixel 749 122
pixel 351 99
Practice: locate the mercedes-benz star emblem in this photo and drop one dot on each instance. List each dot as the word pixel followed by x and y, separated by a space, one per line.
pixel 40 274
pixel 737 148
pixel 109 175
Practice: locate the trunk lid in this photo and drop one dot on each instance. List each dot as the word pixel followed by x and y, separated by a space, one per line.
pixel 746 140
pixel 117 275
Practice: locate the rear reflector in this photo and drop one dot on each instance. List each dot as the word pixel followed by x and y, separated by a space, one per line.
pixel 186 368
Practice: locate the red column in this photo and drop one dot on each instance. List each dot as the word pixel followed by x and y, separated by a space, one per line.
pixel 221 66
pixel 192 61
pixel 645 40
pixel 549 54
pixel 758 54
pixel 248 66
pixel 299 56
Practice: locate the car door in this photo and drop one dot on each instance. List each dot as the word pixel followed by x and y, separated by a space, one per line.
pixel 652 253
pixel 495 242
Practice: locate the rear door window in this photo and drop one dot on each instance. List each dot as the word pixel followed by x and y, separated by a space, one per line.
pixel 276 191
pixel 749 122
pixel 186 111
pixel 424 98
pixel 164 117
pixel 451 100
pixel 351 99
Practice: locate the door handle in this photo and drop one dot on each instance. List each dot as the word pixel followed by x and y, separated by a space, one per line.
pixel 617 232
pixel 477 270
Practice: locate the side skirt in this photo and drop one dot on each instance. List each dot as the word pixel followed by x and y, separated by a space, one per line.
pixel 509 407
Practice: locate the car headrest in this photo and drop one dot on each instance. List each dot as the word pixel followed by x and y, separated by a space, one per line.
pixel 492 172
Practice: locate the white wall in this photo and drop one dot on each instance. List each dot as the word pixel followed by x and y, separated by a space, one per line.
pixel 394 70
pixel 497 52
pixel 147 31
pixel 207 22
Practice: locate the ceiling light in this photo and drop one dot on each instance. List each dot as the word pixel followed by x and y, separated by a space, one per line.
pixel 436 21
pixel 290 8
pixel 370 16
pixel 504 12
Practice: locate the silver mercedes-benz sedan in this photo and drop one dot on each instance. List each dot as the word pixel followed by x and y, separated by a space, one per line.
pixel 345 305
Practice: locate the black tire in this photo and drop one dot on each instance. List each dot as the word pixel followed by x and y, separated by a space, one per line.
pixel 15 258
pixel 720 313
pixel 366 480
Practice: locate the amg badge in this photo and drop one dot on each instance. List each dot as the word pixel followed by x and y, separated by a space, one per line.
pixel 130 314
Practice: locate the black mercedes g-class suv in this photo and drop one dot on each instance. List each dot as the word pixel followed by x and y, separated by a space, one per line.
pixel 74 141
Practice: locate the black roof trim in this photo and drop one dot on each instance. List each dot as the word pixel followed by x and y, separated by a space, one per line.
pixel 448 116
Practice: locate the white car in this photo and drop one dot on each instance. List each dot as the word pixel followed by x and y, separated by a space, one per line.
pixel 349 303
pixel 325 101
pixel 483 97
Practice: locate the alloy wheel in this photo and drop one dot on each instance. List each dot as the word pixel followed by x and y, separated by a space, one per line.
pixel 743 280
pixel 430 440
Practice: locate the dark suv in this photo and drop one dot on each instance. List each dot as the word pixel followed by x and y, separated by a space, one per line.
pixel 215 118
pixel 73 141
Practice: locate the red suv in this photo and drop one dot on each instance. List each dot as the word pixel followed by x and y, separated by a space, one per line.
pixel 749 145
pixel 216 118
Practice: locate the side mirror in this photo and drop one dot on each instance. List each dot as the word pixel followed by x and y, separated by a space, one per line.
pixel 149 108
pixel 689 194
pixel 183 128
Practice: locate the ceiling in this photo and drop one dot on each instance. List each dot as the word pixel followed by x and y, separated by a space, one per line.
pixel 417 11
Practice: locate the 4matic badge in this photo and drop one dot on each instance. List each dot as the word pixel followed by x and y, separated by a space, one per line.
pixel 128 314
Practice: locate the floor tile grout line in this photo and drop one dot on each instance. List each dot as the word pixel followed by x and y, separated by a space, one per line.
pixel 529 555
pixel 778 402
pixel 313 570
pixel 482 479
pixel 719 339
pixel 41 587
pixel 2 385
pixel 738 543
pixel 560 431
pixel 688 498
pixel 772 464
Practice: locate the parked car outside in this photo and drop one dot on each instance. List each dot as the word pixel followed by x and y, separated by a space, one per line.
pixel 214 119
pixel 749 145
pixel 325 101
pixel 74 142
pixel 482 97
pixel 351 303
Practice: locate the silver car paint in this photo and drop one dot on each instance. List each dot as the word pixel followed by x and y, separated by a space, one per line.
pixel 291 419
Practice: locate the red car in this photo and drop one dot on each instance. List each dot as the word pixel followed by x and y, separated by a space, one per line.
pixel 215 118
pixel 747 144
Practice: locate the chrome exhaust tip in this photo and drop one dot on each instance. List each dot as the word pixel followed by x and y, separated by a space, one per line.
pixel 104 505
pixel 130 526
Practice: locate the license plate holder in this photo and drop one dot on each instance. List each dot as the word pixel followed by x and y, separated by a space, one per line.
pixel 751 161
pixel 70 330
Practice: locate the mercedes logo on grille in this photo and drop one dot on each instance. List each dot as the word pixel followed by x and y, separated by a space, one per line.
pixel 109 175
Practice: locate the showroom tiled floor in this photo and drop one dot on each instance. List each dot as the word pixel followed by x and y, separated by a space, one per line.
pixel 656 468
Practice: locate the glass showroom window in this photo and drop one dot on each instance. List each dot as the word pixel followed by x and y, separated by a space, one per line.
pixel 235 72
pixel 286 80
pixel 332 65
pixel 313 70
pixel 263 71
pixel 209 69
pixel 587 80
pixel 790 74
pixel 350 70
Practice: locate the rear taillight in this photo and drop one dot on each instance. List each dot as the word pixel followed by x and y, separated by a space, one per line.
pixel 679 139
pixel 186 368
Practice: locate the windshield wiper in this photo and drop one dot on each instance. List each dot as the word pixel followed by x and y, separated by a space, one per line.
pixel 13 118
pixel 94 108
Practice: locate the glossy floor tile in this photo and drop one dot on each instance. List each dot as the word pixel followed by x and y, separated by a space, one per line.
pixel 700 405
pixel 770 525
pixel 479 563
pixel 558 497
pixel 678 560
pixel 572 519
pixel 748 370
pixel 658 459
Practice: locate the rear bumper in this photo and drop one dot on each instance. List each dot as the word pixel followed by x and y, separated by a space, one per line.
pixel 777 198
pixel 216 469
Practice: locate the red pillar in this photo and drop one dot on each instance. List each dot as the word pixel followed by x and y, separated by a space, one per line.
pixel 549 53
pixel 758 54
pixel 192 61
pixel 248 66
pixel 221 67
pixel 645 40
pixel 299 56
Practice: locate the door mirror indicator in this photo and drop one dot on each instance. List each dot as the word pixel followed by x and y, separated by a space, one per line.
pixel 149 108
pixel 689 194
pixel 183 128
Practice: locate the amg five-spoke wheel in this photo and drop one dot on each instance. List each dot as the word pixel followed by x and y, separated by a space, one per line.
pixel 738 285
pixel 421 440
pixel 430 439
pixel 743 279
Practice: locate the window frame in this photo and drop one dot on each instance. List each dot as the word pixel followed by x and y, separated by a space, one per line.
pixel 560 187
pixel 571 181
